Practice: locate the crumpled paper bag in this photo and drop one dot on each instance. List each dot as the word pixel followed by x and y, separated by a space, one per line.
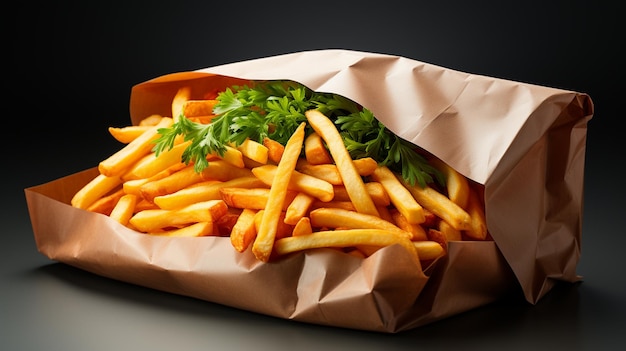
pixel 524 143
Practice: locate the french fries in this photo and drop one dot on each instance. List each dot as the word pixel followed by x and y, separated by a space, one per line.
pixel 275 199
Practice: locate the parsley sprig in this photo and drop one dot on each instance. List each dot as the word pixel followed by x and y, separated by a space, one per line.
pixel 274 109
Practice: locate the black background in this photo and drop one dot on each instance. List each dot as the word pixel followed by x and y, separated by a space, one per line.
pixel 70 69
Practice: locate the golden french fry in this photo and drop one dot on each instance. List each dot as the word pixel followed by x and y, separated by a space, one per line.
pixel 376 191
pixel 254 151
pixel 428 249
pixel 106 203
pixel 95 189
pixel 337 217
pixel 244 230
pixel 449 232
pixel 330 172
pixel 298 208
pixel 282 229
pixel 440 205
pixel 124 208
pixel 400 197
pixel 151 120
pixel 171 183
pixel 302 227
pixel 150 164
pixel 415 229
pixel 206 190
pixel 365 166
pixel 351 178
pixel 478 225
pixel 153 220
pixel 182 95
pixel 232 156
pixel 315 151
pixel 253 198
pixel 127 134
pixel 346 205
pixel 298 182
pixel 132 152
pixel 133 186
pixel 342 238
pixel 192 230
pixel 224 170
pixel 274 150
pixel 456 184
pixel 326 172
pixel 264 242
pixel 197 108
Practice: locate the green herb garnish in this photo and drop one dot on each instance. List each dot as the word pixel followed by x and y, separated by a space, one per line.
pixel 274 109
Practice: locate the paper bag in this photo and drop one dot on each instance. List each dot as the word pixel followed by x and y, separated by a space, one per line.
pixel 524 143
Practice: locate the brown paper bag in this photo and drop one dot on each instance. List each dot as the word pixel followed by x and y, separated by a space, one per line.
pixel 524 143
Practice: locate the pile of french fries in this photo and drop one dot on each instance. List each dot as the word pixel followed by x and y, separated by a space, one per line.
pixel 277 199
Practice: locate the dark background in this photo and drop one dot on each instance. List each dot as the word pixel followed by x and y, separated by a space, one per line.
pixel 71 66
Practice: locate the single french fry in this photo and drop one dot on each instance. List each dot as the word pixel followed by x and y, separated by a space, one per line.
pixel 315 151
pixel 124 208
pixel 274 150
pixel 330 172
pixel 244 230
pixel 224 170
pixel 440 205
pixel 143 204
pixel 171 183
pixel 428 250
pixel 133 186
pixel 342 238
pixel 352 179
pixel 232 156
pixel 326 172
pixel 264 242
pixel 95 189
pixel 203 191
pixel 282 229
pixel 400 197
pixel 153 220
pixel 302 227
pixel 376 191
pixel 346 205
pixel 105 204
pixel 337 217
pixel 298 208
pixel 151 120
pixel 254 151
pixel 415 229
pixel 476 210
pixel 456 184
pixel 121 160
pixel 298 182
pixel 127 134
pixel 449 232
pixel 151 164
pixel 198 108
pixel 192 230
pixel 365 166
pixel 253 198
pixel 182 95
